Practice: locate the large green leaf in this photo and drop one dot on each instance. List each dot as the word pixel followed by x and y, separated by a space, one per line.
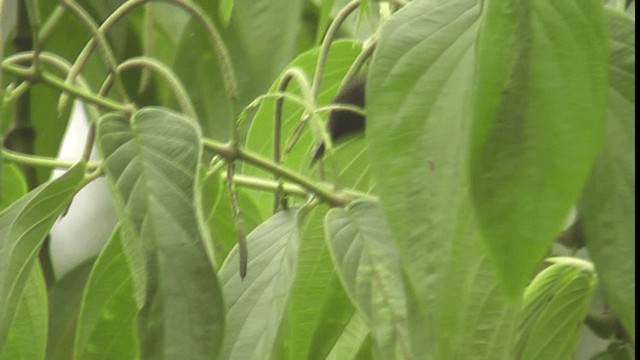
pixel 23 227
pixel 27 339
pixel 260 136
pixel 608 203
pixel 539 108
pixel 554 306
pixel 106 326
pixel 151 162
pixel 256 304
pixel 369 266
pixel 417 131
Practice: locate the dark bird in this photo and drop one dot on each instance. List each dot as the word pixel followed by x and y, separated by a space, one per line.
pixel 344 122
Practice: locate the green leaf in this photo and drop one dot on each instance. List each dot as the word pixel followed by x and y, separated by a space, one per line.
pixel 256 304
pixel 106 326
pixel 349 165
pixel 351 340
pixel 335 320
pixel 369 266
pixel 539 105
pixel 151 163
pixel 608 205
pixel 64 303
pixel 12 185
pixel 27 339
pixel 260 136
pixel 23 227
pixel 418 151
pixel 554 306
pixel 318 309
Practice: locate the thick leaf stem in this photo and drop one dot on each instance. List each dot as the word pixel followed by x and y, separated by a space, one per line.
pixel 231 153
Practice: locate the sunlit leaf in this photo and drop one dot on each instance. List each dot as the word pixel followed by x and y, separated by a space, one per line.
pixel 555 304
pixel 417 130
pixel 539 107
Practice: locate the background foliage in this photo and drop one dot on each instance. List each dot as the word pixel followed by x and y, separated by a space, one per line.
pixel 442 233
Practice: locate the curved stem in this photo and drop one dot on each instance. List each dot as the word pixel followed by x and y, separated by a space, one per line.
pixel 277 128
pixel 212 34
pixel 172 80
pixel 326 44
pixel 100 38
pixel 364 55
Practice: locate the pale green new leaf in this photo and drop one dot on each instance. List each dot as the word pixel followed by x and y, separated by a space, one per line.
pixel 608 203
pixel 23 227
pixel 539 107
pixel 256 304
pixel 369 266
pixel 106 321
pixel 151 163
pixel 554 306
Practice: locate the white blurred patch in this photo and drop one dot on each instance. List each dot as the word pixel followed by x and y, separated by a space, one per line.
pixel 83 231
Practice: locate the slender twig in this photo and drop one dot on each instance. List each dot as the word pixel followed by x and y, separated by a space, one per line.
pixel 60 64
pixel 290 74
pixel 62 85
pixel 173 81
pixel 101 39
pixel 364 55
pixel 42 161
pixel 326 44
